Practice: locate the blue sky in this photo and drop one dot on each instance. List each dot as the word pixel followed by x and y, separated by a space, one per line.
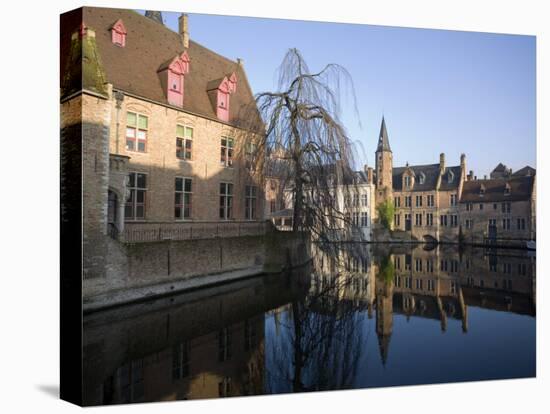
pixel 440 91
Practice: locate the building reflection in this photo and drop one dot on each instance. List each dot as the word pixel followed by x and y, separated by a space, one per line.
pixel 303 330
pixel 442 283
pixel 207 344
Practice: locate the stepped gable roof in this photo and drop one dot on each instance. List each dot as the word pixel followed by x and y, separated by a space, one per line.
pixel 133 68
pixel 431 174
pixel 521 189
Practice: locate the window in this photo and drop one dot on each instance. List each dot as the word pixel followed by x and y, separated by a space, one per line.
pixel 136 132
pixel 521 223
pixel 118 33
pixel 250 202
pixel 506 207
pixel 364 219
pixel 469 207
pixel 226 201
pixel 397 202
pixel 453 199
pixel 469 223
pixel 454 220
pixel 419 201
pixel 418 220
pixel 495 206
pixel 431 285
pixel 418 265
pixel 408 201
pixel 444 265
pixel 180 361
pixel 397 262
pixel 227 152
pixel 355 218
pixel 506 224
pixel 407 181
pixel 272 206
pixel 397 220
pixel 429 219
pixel 454 266
pixel 492 222
pixel 250 335
pixel 250 155
pixel 429 266
pixel 522 269
pixel 481 206
pixel 419 283
pixel 224 345
pixel 184 142
pixel 443 220
pixel 135 203
pixel 182 206
pixel 408 282
pixel 364 200
pixel 430 200
pixel 356 200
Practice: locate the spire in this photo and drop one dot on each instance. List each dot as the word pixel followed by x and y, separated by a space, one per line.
pixel 383 141
pixel 154 15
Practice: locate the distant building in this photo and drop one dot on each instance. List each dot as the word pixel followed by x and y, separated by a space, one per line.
pixel 425 197
pixel 497 210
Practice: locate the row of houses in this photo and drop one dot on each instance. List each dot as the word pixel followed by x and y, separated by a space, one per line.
pixel 169 134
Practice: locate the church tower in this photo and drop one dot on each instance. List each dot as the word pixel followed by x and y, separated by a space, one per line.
pixel 384 166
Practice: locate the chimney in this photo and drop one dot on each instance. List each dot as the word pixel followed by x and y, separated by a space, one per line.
pixel 369 171
pixel 240 62
pixel 485 177
pixel 471 175
pixel 183 23
pixel 442 161
pixel 463 160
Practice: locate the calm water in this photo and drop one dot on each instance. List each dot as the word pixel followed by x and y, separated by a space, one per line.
pixel 359 316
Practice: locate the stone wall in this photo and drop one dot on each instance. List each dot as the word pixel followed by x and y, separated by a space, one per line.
pixel 136 271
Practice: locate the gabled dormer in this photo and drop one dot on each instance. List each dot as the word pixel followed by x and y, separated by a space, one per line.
pixel 172 76
pixel 507 189
pixel 421 177
pixel 220 92
pixel 481 190
pixel 450 176
pixel 118 33
pixel 408 178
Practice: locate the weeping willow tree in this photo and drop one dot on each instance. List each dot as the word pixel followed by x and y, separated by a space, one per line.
pixel 304 134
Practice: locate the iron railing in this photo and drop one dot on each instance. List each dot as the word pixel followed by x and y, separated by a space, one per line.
pixel 159 231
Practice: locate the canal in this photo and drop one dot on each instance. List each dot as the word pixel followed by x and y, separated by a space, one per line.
pixel 358 316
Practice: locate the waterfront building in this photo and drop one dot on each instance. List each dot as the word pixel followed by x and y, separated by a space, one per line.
pixel 499 210
pixel 168 128
pixel 425 197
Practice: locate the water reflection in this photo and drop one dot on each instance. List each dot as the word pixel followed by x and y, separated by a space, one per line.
pixel 357 317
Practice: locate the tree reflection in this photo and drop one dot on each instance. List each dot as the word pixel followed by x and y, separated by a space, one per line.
pixel 319 340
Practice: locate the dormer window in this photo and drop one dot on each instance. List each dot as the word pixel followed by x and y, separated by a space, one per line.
pixel 118 34
pixel 450 176
pixel 407 181
pixel 220 91
pixel 507 189
pixel 172 76
pixel 421 178
pixel 481 190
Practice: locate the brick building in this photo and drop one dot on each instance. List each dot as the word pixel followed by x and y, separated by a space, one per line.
pixel 168 127
pixel 425 197
pixel 501 209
